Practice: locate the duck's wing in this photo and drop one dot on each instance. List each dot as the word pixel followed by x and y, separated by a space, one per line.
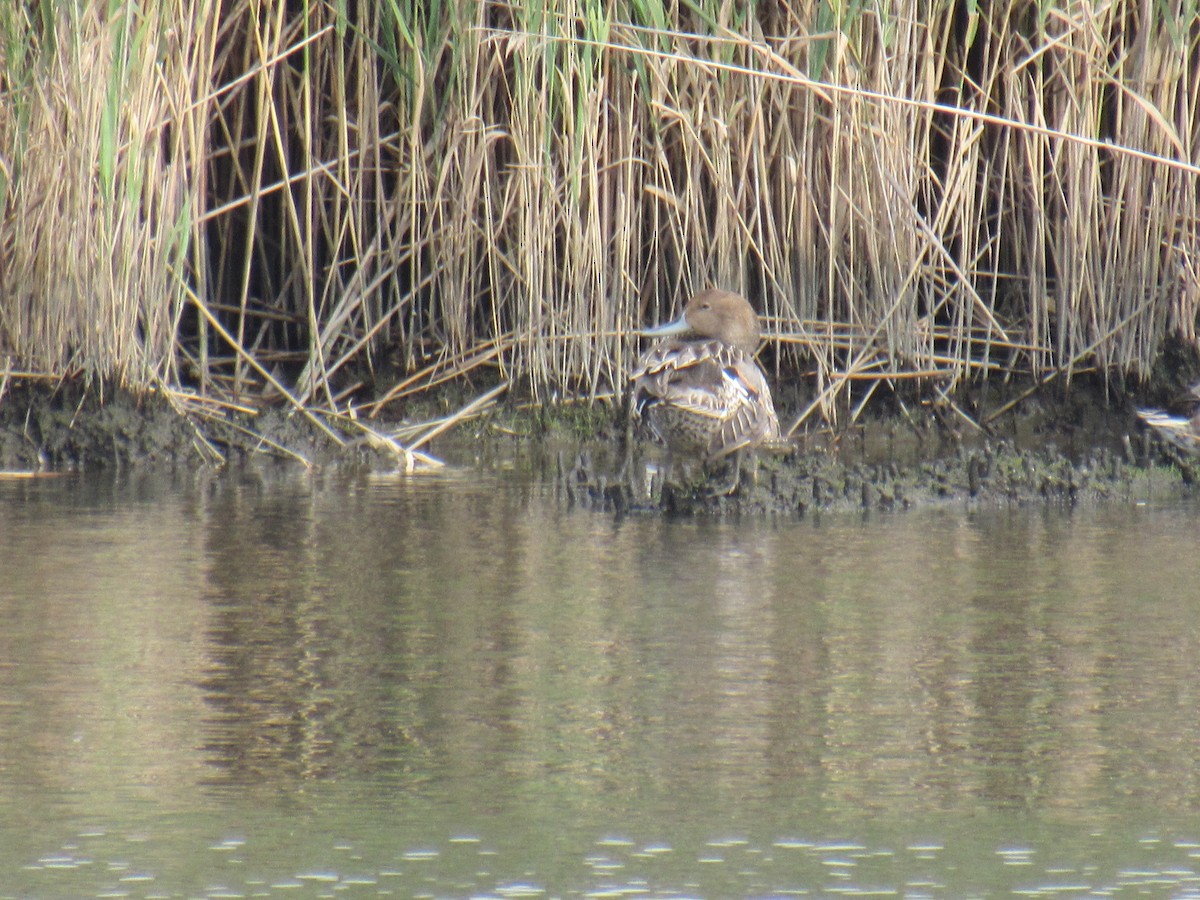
pixel 710 380
pixel 671 370
pixel 674 356
pixel 698 389
pixel 750 412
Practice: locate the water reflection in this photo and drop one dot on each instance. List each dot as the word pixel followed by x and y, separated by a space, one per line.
pixel 442 638
pixel 464 649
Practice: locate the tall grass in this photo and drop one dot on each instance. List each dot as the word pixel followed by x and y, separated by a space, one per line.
pixel 350 201
pixel 98 124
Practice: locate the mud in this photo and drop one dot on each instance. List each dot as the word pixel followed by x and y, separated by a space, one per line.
pixel 71 427
pixel 808 483
pixel 1076 449
pixel 1073 449
pixel 68 428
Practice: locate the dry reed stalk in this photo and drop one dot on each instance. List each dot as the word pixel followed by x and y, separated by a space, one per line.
pixel 263 441
pixel 98 201
pixel 470 410
pixel 184 403
pixel 1073 365
pixel 411 458
pixel 445 369
pixel 253 363
pixel 905 190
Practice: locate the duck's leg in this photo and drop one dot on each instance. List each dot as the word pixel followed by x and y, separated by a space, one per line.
pixel 658 480
pixel 655 478
pixel 628 437
pixel 729 486
pixel 752 472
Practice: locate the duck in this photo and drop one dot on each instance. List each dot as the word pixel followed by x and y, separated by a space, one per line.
pixel 699 387
pixel 1180 431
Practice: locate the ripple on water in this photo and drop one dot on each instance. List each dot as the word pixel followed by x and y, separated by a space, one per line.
pixel 107 864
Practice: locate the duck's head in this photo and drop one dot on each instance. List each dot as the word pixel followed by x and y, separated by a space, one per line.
pixel 723 315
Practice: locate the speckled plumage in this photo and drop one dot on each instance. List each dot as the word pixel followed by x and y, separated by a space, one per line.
pixel 703 394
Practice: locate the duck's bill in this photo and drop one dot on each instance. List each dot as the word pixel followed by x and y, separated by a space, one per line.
pixel 670 329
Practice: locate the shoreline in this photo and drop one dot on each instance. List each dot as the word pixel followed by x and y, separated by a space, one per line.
pixel 1065 451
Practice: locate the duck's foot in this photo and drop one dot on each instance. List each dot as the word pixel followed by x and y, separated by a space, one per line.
pixel 732 482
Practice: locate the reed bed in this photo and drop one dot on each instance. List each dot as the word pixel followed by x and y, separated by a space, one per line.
pixel 338 206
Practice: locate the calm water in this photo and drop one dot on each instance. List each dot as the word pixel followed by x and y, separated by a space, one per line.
pixel 454 686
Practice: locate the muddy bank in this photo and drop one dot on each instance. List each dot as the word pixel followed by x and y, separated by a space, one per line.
pixel 1075 449
pixel 805 483
pixel 69 428
pixel 65 427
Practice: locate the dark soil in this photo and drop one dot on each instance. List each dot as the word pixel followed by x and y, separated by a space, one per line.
pixel 71 427
pixel 1082 447
pixel 804 482
pixel 1078 448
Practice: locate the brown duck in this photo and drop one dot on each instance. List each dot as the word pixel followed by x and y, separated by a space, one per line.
pixel 700 389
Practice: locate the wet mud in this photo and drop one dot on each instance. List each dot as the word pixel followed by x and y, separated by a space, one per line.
pixel 67 428
pixel 1084 448
pixel 70 427
pixel 806 483
pixel 1077 450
